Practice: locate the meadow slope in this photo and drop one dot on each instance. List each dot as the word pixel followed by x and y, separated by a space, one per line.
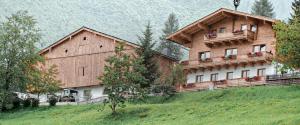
pixel 264 105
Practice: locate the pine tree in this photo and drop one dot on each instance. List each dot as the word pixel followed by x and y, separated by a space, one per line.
pixel 296 11
pixel 146 52
pixel 168 47
pixel 263 8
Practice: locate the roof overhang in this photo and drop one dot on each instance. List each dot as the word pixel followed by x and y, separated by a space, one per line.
pixel 184 35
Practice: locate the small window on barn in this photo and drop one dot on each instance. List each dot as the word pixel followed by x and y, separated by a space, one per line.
pixel 222 30
pixel 84 38
pixel 82 71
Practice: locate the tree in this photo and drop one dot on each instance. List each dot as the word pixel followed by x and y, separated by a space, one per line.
pixel 166 46
pixel 288 44
pixel 263 8
pixel 146 52
pixel 177 75
pixel 45 82
pixel 296 11
pixel 18 54
pixel 122 78
pixel 166 86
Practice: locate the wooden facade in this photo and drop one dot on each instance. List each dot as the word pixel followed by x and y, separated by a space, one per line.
pixel 80 57
pixel 211 38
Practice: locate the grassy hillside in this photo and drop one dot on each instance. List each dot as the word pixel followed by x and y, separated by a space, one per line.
pixel 265 105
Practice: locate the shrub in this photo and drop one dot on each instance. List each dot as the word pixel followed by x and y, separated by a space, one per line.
pixel 52 101
pixel 35 102
pixel 16 102
pixel 26 102
pixel 164 90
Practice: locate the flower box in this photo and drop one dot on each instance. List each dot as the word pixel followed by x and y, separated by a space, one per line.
pixel 185 62
pixel 257 78
pixel 259 54
pixel 205 60
pixel 229 57
pixel 248 79
pixel 211 35
pixel 191 85
pixel 250 54
pixel 256 54
pixel 238 32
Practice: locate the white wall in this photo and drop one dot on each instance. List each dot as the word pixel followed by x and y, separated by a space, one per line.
pixel 270 70
pixel 96 92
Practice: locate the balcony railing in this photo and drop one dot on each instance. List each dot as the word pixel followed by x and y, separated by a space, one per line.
pixel 260 57
pixel 236 37
pixel 284 78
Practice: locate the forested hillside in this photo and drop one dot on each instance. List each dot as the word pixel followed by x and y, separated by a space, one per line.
pixel 121 18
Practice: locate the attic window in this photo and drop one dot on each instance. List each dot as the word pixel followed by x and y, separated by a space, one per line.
pixel 84 38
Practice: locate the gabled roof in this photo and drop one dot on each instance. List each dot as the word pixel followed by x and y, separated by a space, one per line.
pixel 212 18
pixel 64 39
pixel 80 30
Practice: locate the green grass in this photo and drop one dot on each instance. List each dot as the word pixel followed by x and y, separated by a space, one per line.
pixel 265 105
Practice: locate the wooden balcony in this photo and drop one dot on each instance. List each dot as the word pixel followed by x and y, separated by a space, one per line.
pixel 284 78
pixel 226 39
pixel 226 62
pixel 220 84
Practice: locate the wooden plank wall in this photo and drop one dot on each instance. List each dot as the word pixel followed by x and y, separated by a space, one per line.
pixel 86 52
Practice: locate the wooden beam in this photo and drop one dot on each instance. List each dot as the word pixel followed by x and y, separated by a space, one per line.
pixel 226 15
pixel 185 36
pixel 202 26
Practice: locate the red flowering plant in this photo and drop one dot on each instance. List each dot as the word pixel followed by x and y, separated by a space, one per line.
pixel 185 62
pixel 258 53
pixel 257 78
pixel 247 79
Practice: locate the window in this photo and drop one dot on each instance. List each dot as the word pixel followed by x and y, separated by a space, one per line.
pixel 243 27
pixel 81 71
pixel 199 78
pixel 84 38
pixel 204 55
pixel 229 75
pixel 222 30
pixel 261 72
pixel 66 51
pixel 245 73
pixel 230 52
pixel 214 77
pixel 259 48
pixel 253 28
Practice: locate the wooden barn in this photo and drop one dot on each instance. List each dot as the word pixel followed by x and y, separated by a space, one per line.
pixel 80 59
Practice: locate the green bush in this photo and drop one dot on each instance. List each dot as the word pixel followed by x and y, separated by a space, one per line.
pixel 52 101
pixel 27 102
pixel 164 90
pixel 16 102
pixel 35 102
